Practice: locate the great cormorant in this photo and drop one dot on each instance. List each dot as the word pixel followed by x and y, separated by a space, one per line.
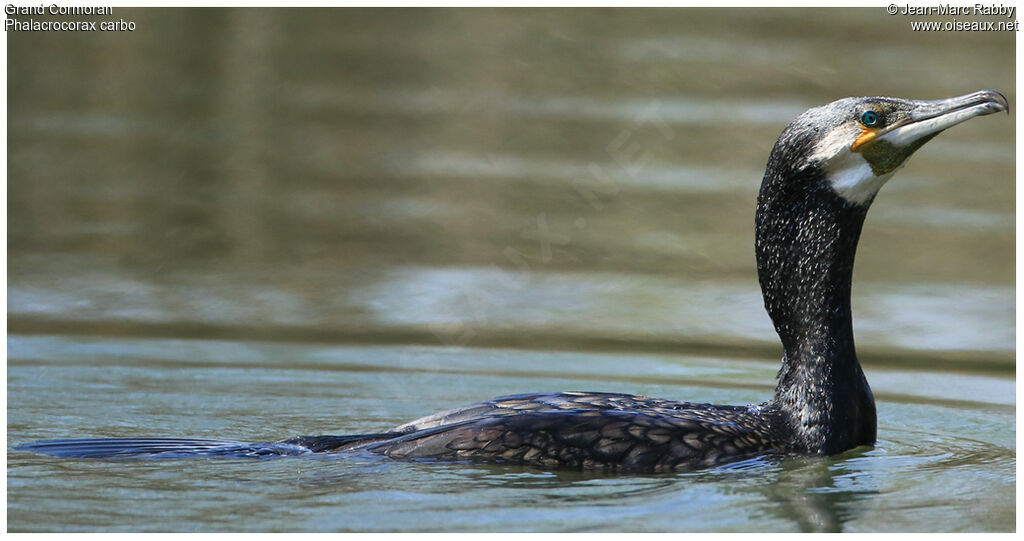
pixel 821 177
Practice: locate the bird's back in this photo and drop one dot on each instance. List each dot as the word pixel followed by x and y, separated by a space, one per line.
pixel 585 430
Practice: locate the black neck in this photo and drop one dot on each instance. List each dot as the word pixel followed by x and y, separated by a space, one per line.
pixel 806 240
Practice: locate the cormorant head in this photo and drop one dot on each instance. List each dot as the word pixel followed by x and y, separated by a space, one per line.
pixel 858 143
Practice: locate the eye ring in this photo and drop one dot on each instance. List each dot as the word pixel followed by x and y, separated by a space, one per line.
pixel 870 119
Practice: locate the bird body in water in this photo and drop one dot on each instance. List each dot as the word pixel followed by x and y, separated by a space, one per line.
pixel 821 177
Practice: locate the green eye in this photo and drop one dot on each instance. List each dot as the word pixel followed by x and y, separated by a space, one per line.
pixel 869 119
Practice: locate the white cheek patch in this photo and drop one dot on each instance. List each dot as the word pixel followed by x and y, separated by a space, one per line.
pixel 850 175
pixel 833 144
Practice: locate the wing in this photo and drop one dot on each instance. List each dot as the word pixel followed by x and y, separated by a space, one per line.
pixel 594 438
pixel 564 401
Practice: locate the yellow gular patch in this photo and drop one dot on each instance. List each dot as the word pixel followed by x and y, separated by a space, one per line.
pixel 866 136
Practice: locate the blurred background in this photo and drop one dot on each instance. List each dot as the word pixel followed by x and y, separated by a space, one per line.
pixel 256 223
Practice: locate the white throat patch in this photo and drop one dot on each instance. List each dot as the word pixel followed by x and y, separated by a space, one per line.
pixel 850 175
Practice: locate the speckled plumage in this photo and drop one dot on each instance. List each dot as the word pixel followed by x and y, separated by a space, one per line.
pixel 806 240
pixel 821 177
pixel 588 430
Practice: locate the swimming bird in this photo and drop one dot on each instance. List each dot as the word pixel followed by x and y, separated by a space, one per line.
pixel 822 175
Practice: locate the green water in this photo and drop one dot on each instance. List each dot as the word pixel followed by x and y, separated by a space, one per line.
pixel 254 224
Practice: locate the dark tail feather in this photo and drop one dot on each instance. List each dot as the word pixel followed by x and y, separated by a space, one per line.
pixel 158 448
pixel 191 448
